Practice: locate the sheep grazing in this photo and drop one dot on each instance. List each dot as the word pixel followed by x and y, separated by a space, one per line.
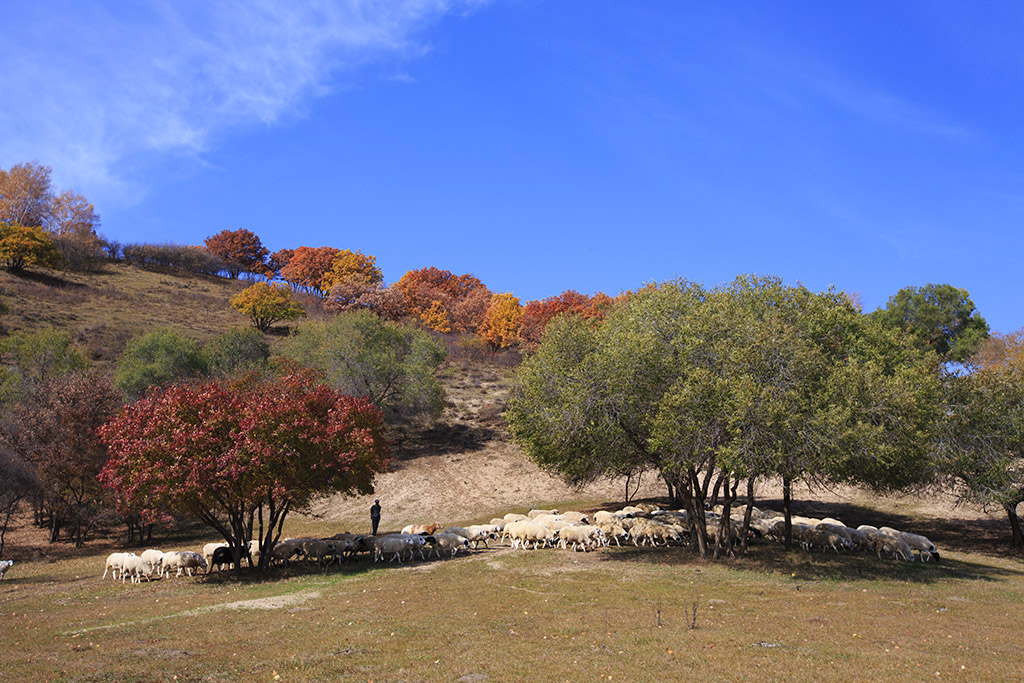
pixel 925 548
pixel 115 563
pixel 136 567
pixel 221 556
pixel 156 559
pixel 893 544
pixel 449 544
pixel 534 513
pixel 286 550
pixel 320 549
pixel 208 552
pixel 394 545
pixel 481 533
pixel 605 517
pixel 183 561
pixel 515 517
pixel 4 566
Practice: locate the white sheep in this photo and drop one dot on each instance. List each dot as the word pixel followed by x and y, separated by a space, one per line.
pixel 574 516
pixel 584 536
pixel 893 544
pixel 115 561
pixel 613 531
pixel 4 566
pixel 183 561
pixel 925 548
pixel 534 513
pixel 136 567
pixel 156 559
pixel 523 533
pixel 393 544
pixel 449 544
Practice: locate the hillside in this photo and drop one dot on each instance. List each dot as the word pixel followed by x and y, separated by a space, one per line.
pixel 104 310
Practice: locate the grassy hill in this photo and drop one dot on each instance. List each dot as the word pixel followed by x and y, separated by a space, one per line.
pixel 103 310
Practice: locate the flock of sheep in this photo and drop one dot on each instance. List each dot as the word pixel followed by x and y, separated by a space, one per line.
pixel 641 525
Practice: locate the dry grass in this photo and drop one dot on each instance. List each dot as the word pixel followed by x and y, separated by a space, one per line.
pixel 104 310
pixel 544 615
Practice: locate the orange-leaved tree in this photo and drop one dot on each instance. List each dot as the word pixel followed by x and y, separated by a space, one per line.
pixel 266 304
pixel 463 297
pixel 308 266
pixel 25 245
pixel 240 249
pixel 502 321
pixel 537 314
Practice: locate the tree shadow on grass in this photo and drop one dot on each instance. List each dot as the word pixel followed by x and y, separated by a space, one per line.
pixel 46 279
pixel 769 558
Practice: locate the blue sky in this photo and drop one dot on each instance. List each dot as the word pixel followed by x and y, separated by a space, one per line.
pixel 547 145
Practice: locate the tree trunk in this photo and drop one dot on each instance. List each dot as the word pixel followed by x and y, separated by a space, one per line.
pixel 725 523
pixel 55 524
pixel 787 507
pixel 747 514
pixel 717 489
pixel 1018 537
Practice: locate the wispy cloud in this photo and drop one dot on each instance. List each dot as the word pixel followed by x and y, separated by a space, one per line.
pixel 93 89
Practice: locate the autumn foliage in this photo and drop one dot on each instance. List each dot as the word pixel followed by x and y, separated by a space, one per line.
pixel 502 321
pixel 266 304
pixel 242 454
pixel 23 245
pixel 537 314
pixel 353 268
pixel 463 298
pixel 240 249
pixel 308 266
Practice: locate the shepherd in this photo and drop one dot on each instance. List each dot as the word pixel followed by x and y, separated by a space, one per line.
pixel 375 515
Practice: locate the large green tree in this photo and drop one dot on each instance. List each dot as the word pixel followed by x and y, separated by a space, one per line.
pixel 362 355
pixel 755 379
pixel 32 359
pixel 941 317
pixel 981 444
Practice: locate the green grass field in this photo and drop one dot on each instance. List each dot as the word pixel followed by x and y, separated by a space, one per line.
pixel 551 615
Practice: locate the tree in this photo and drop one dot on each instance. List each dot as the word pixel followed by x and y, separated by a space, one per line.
pixel 942 317
pixel 237 351
pixel 266 304
pixel 999 349
pixel 308 266
pixel 537 314
pixel 22 246
pixel 54 431
pixel 240 249
pixel 750 380
pixel 502 321
pixel 352 268
pixel 276 261
pixel 32 359
pixel 157 358
pixel 981 440
pixel 25 194
pixel 72 214
pixel 387 302
pixel 463 297
pixel 18 484
pixel 362 355
pixel 436 318
pixel 240 456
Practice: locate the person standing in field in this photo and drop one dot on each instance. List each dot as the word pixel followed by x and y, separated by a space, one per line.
pixel 375 515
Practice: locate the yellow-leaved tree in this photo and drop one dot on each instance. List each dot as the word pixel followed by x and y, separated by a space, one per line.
pixel 502 321
pixel 436 318
pixel 25 245
pixel 353 268
pixel 266 304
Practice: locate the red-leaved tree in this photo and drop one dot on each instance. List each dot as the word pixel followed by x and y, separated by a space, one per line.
pixel 240 249
pixel 537 314
pixel 307 267
pixel 242 455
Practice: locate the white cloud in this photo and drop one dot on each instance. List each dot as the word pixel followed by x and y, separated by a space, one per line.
pixel 91 90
